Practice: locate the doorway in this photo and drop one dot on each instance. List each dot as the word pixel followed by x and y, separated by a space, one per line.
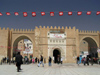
pixel 56 55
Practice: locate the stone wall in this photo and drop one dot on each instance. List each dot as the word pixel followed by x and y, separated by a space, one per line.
pixel 39 38
pixel 4 42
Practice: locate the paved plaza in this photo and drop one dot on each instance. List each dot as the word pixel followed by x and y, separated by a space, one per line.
pixel 55 69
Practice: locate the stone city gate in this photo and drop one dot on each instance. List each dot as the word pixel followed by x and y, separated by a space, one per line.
pixel 70 43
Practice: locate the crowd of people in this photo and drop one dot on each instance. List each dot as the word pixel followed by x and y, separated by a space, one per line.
pixel 18 60
pixel 88 60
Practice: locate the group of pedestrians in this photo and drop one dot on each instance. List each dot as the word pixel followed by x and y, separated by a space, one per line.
pixel 19 61
pixel 59 60
pixel 87 60
pixel 5 60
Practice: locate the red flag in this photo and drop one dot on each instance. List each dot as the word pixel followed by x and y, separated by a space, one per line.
pixel 42 13
pixel 88 13
pixel 8 13
pixel 60 13
pixel 98 12
pixel 51 13
pixel 8 47
pixel 33 14
pixel 69 13
pixel 79 13
pixel 25 14
pixel 16 13
pixel 1 14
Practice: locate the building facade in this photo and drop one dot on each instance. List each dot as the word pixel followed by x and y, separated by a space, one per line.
pixel 66 42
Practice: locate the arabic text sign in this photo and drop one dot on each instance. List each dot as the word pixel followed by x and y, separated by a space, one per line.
pixel 57 36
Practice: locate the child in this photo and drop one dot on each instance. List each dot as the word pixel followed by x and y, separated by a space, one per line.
pixel 33 60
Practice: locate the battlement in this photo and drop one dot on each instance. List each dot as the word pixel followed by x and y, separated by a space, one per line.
pixel 17 30
pixel 87 32
pixel 4 28
pixel 55 27
pixel 22 30
pixel 51 27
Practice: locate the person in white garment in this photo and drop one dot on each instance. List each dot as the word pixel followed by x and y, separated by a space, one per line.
pixel 61 60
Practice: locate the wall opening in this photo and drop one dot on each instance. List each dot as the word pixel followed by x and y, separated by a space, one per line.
pixel 24 45
pixel 56 55
pixel 89 46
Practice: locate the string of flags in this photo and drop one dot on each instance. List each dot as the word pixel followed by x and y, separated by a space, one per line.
pixel 25 14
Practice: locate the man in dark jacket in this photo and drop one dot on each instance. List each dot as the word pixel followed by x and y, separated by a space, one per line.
pixel 41 61
pixel 18 61
pixel 78 60
pixel 50 61
pixel 87 60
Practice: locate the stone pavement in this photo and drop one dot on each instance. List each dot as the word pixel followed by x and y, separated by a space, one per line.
pixel 55 69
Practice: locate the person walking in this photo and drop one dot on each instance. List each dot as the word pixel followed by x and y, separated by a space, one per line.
pixel 36 60
pixel 84 61
pixel 7 60
pixel 99 61
pixel 33 61
pixel 58 59
pixel 53 59
pixel 91 61
pixel 14 60
pixel 1 61
pixel 61 60
pixel 50 59
pixel 41 61
pixel 87 61
pixel 78 60
pixel 18 61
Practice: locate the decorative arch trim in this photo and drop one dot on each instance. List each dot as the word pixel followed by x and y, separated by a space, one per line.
pixel 91 38
pixel 21 36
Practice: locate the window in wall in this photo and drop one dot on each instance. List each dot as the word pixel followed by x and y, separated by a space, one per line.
pixel 50 40
pixel 63 41
pixel 48 33
pixel 56 40
pixel 59 40
pixel 53 40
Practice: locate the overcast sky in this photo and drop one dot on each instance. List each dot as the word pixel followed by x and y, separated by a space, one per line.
pixel 83 22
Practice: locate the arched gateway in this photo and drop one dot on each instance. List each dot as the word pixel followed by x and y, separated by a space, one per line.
pixel 67 43
pixel 18 45
pixel 56 55
pixel 89 45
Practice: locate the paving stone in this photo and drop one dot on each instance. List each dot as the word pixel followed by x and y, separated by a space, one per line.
pixel 65 69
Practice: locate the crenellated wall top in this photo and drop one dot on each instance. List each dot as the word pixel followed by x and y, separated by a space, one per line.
pixel 51 27
pixel 55 27
pixel 4 28
pixel 22 30
pixel 88 32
